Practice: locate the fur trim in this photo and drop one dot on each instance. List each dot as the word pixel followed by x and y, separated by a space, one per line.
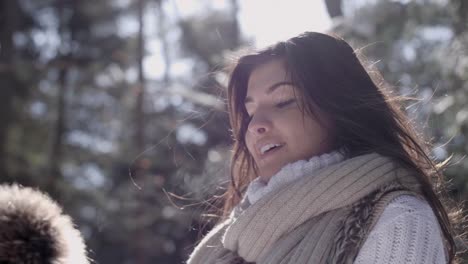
pixel 33 230
pixel 357 225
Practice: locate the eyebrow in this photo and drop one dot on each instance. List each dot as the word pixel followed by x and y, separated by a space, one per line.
pixel 271 89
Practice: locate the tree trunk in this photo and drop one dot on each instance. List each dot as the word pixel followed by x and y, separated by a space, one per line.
pixel 56 155
pixel 139 107
pixel 8 11
pixel 140 256
pixel 334 8
pixel 235 26
pixel 162 35
pixel 461 21
pixel 56 152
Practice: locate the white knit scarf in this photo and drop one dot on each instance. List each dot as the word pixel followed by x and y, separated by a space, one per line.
pixel 291 172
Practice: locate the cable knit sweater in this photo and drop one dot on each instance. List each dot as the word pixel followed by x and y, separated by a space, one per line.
pixel 406 232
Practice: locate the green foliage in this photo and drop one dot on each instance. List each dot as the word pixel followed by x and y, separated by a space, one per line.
pixel 73 132
pixel 69 107
pixel 419 47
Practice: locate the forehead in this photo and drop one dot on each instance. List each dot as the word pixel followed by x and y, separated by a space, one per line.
pixel 266 75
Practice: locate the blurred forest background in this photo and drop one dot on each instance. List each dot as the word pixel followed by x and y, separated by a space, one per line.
pixel 81 120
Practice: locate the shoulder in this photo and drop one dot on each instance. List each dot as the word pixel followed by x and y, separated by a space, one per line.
pixel 407 231
pixel 406 207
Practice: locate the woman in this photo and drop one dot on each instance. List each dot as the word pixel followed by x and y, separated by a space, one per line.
pixel 326 167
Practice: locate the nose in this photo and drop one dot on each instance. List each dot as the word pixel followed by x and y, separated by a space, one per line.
pixel 259 124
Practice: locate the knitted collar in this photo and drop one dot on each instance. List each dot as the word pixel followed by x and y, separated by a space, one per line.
pixel 254 229
pixel 291 172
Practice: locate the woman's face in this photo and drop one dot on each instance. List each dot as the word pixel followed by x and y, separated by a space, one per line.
pixel 278 133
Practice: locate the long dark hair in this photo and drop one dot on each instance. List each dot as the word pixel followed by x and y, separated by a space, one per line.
pixel 329 74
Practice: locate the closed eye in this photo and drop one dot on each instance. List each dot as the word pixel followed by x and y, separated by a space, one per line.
pixel 279 105
pixel 285 103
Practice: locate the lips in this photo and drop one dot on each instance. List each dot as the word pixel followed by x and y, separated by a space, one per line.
pixel 266 147
pixel 269 147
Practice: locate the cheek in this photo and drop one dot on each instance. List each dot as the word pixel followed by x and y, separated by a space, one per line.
pixel 308 135
pixel 248 142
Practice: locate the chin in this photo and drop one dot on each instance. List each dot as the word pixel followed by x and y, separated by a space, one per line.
pixel 265 179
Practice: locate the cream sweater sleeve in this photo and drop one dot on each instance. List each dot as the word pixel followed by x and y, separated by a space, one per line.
pixel 406 232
